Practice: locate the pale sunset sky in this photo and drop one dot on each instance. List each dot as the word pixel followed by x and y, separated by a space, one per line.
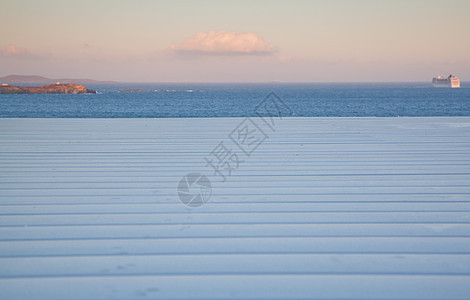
pixel 236 41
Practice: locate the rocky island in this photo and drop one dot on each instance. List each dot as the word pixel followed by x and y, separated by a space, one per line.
pixel 58 88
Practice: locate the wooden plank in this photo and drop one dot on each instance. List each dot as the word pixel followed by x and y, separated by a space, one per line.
pixel 239 287
pixel 224 264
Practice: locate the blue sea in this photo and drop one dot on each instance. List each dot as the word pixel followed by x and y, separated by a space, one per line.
pixel 173 100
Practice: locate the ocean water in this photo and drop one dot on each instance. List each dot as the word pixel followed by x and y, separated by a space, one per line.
pixel 239 100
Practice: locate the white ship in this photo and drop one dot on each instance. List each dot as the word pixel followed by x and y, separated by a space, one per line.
pixel 451 81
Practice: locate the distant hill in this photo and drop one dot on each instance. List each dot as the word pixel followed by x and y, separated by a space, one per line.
pixel 39 79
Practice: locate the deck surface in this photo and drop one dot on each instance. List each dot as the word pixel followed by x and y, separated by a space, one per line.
pixel 324 208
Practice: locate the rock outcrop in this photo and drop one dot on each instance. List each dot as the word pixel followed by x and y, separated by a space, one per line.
pixel 134 90
pixel 58 88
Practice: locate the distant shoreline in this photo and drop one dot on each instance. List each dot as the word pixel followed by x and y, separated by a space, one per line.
pixel 58 88
pixel 35 79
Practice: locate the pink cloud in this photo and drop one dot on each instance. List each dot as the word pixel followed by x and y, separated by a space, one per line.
pixel 14 51
pixel 224 43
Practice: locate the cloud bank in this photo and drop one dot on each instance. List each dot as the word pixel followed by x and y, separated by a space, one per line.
pixel 14 51
pixel 224 43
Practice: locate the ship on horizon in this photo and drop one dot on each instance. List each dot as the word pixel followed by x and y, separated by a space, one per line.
pixel 451 81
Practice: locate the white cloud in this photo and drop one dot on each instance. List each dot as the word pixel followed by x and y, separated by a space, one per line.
pixel 14 51
pixel 224 43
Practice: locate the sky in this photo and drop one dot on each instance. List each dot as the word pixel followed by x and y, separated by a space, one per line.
pixel 236 41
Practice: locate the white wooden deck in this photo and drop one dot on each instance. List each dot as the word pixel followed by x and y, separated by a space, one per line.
pixel 325 208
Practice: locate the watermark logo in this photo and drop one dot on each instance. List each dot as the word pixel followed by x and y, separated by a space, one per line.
pixel 248 136
pixel 223 161
pixel 194 189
